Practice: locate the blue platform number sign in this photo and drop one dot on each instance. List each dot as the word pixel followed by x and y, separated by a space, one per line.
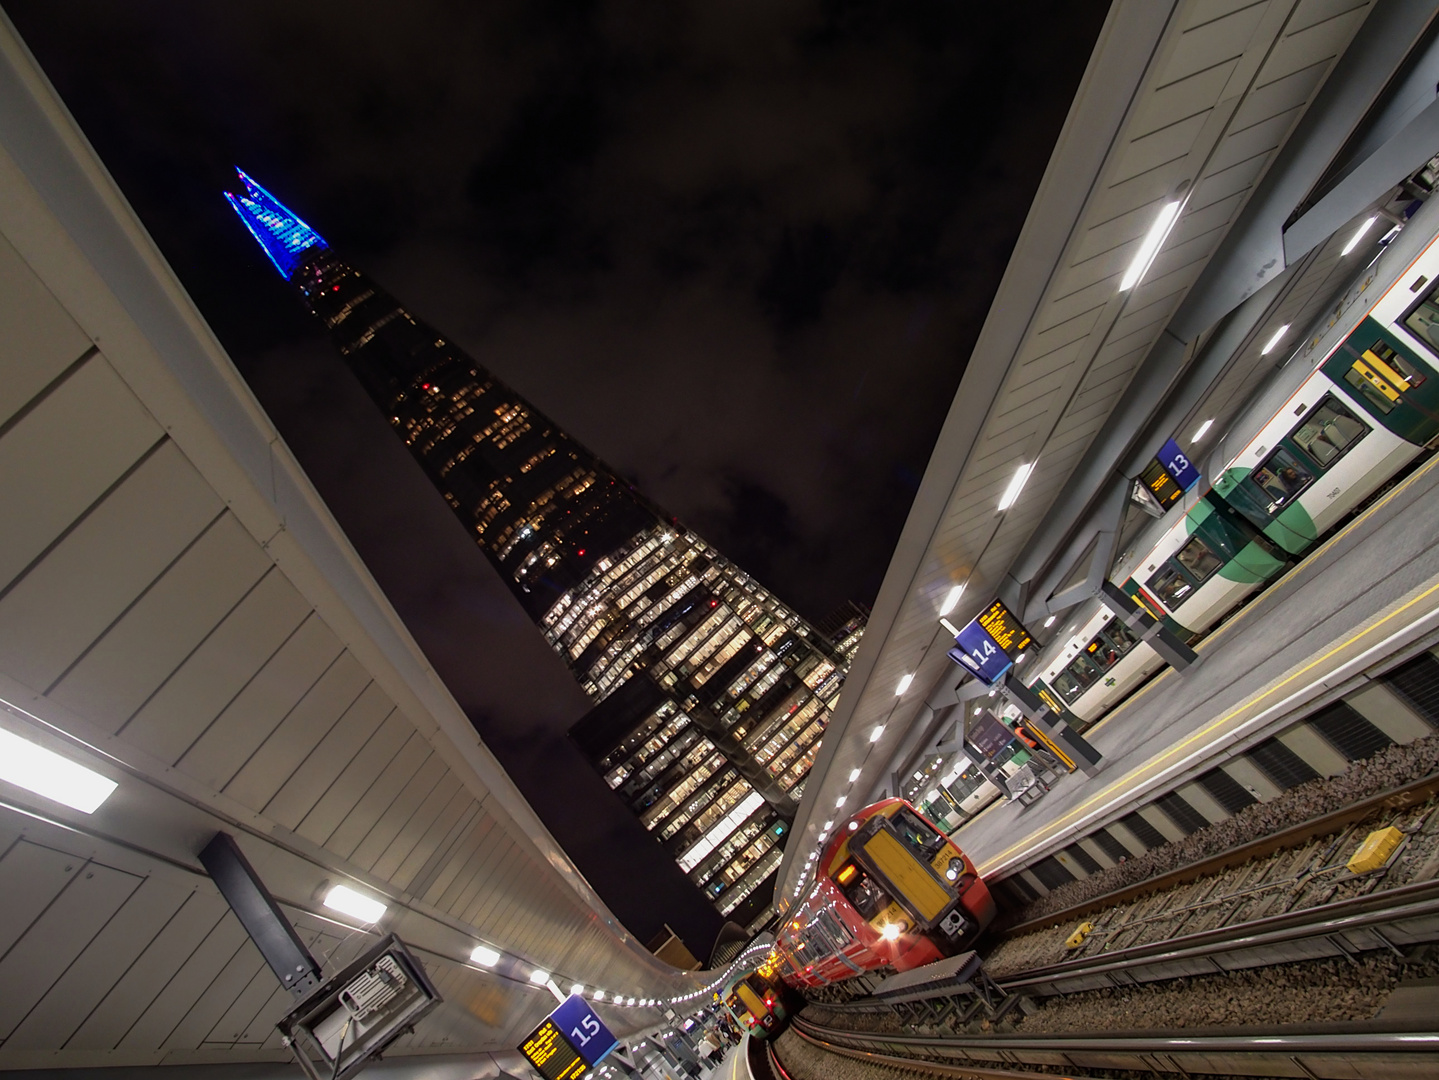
pixel 1176 462
pixel 585 1031
pixel 980 654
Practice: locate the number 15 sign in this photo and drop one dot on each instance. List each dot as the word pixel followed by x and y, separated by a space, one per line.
pixel 571 1041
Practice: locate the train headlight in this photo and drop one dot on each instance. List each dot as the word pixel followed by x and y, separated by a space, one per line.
pixel 956 867
pixel 891 931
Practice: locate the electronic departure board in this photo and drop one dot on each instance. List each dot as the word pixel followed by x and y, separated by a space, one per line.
pixel 1160 484
pixel 1007 631
pixel 553 1056
pixel 571 1040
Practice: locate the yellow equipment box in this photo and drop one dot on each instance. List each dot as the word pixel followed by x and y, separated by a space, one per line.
pixel 1081 932
pixel 1375 850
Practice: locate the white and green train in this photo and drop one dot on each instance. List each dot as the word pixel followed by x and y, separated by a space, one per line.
pixel 1332 429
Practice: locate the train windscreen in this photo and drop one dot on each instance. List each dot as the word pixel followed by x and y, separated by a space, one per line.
pixel 917 834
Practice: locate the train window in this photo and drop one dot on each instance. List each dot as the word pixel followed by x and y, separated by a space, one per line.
pixel 1101 652
pixel 1423 320
pixel 1170 586
pixel 1083 669
pixel 1329 431
pixel 1281 478
pixel 1121 635
pixel 866 895
pixel 917 834
pixel 1067 686
pixel 1199 559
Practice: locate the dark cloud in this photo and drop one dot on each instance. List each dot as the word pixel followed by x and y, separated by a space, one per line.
pixel 741 250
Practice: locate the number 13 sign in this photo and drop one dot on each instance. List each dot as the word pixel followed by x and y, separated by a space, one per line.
pixel 591 1039
pixel 1178 465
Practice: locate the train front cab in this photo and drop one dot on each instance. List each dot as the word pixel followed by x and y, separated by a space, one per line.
pixel 757 1004
pixel 912 885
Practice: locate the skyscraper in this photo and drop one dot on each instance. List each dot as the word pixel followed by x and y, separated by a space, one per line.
pixel 731 690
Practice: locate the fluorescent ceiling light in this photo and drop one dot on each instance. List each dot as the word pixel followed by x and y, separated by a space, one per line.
pixel 854 774
pixel 1204 427
pixel 840 801
pixel 951 599
pixel 877 734
pixel 539 978
pixel 30 766
pixel 1358 236
pixel 485 956
pixel 347 901
pixel 1275 340
pixel 1153 241
pixel 577 989
pixel 1050 621
pixel 827 826
pixel 1016 485
pixel 598 995
pixel 904 684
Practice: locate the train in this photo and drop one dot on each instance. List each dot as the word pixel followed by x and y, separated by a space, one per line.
pixel 1337 423
pixel 756 998
pixel 890 892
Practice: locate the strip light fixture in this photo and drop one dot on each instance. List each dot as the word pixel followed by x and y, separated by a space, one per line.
pixel 951 600
pixel 904 684
pixel 1153 241
pixel 1016 485
pixel 1202 431
pixel 1275 340
pixel 30 766
pixel 1358 235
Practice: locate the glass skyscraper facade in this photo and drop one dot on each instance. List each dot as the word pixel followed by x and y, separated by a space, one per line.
pixel 731 690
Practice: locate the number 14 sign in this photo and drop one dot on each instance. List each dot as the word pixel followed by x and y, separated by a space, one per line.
pixel 591 1039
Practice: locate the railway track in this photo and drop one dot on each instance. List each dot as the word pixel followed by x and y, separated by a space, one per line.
pixel 822 1052
pixel 1262 888
pixel 1281 900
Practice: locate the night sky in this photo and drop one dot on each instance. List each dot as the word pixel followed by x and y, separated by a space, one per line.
pixel 741 250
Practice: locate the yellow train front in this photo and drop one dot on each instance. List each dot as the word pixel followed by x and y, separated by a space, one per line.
pixel 891 892
pixel 756 999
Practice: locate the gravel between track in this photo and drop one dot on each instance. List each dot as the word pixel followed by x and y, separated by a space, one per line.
pixel 1389 768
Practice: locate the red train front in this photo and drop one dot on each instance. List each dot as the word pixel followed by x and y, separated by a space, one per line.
pixel 891 891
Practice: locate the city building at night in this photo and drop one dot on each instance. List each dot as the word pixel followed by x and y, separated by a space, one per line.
pixel 710 694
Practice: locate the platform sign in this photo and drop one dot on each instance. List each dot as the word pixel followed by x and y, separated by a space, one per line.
pixel 568 1042
pixel 584 1029
pixel 989 645
pixel 980 654
pixel 1177 464
pixel 988 735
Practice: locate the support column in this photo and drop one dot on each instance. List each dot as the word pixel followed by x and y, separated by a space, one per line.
pixel 1160 638
pixel 1063 740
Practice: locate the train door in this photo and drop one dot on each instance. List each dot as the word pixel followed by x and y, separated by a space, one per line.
pixel 1389 377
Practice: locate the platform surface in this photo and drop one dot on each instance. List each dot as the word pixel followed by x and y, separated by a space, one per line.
pixel 1365 593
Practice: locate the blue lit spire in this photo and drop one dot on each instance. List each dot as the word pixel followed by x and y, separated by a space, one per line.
pixel 282 234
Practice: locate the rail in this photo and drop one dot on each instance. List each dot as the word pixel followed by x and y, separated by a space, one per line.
pixel 1309 1055
pixel 1405 795
pixel 1393 919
